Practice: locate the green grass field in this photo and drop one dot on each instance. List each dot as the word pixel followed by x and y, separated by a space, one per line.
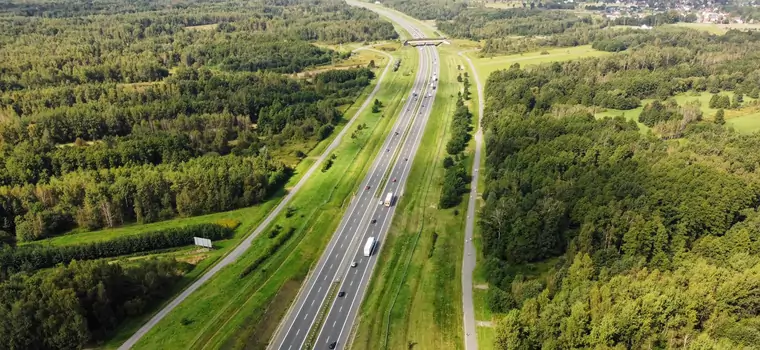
pixel 744 120
pixel 414 296
pixel 487 65
pixel 231 312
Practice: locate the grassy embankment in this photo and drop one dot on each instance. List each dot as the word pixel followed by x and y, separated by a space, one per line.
pixel 414 296
pixel 235 312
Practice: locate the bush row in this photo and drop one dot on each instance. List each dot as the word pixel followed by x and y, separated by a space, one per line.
pixel 33 257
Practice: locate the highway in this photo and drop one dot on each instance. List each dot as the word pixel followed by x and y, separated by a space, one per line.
pixel 366 217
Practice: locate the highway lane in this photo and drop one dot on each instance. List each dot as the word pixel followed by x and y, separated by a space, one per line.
pixel 340 318
pixel 295 327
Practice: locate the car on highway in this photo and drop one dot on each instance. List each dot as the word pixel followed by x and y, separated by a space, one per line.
pixel 341 294
pixel 396 132
pixel 366 188
pixel 333 344
pixel 394 179
pixel 374 221
pixel 387 149
pixel 380 202
pixel 406 159
pixel 353 264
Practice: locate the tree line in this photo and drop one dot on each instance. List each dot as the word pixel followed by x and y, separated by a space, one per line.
pixel 455 177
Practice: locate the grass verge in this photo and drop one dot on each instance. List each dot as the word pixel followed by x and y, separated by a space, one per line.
pixel 414 297
pixel 234 312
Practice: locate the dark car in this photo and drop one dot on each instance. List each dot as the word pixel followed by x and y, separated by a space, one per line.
pixel 374 221
pixel 394 179
pixel 341 294
pixel 366 188
pixel 333 344
pixel 405 159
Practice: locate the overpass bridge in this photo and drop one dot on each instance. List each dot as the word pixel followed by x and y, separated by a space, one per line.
pixel 425 41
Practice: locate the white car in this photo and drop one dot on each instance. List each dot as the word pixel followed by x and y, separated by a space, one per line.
pixel 353 264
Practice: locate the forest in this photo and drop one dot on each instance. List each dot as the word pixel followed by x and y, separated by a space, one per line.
pixel 599 235
pixel 510 31
pixel 71 306
pixel 145 111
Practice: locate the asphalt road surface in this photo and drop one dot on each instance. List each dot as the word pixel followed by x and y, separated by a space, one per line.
pixel 366 217
pixel 468 262
pixel 246 243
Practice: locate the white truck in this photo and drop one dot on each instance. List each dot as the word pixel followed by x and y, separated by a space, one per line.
pixel 388 199
pixel 369 246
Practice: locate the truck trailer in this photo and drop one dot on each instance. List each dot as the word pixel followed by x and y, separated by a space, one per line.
pixel 388 199
pixel 369 246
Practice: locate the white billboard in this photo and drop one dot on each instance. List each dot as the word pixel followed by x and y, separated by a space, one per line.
pixel 203 242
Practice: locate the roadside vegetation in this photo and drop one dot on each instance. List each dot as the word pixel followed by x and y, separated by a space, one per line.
pixel 234 310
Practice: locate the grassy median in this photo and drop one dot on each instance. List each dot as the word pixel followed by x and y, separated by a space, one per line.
pixel 234 312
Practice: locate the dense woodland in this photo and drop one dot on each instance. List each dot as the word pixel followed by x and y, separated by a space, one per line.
pixel 522 29
pixel 70 307
pixel 598 235
pixel 145 111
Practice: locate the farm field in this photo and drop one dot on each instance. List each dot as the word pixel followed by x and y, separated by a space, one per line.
pixel 233 310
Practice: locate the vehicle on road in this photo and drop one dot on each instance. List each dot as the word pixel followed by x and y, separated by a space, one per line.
pixel 366 187
pixel 380 202
pixel 369 246
pixel 405 159
pixel 387 149
pixel 333 344
pixel 394 179
pixel 396 132
pixel 341 294
pixel 389 198
pixel 353 264
pixel 374 221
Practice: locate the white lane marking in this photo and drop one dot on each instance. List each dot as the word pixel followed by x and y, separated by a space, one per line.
pixel 319 290
pixel 341 245
pixel 312 302
pixel 334 322
pixel 351 284
pixel 331 265
pixel 305 316
pixel 325 279
pixel 341 309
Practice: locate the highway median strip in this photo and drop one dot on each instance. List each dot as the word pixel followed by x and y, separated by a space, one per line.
pixel 321 315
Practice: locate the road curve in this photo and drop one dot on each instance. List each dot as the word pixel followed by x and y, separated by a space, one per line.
pixel 246 243
pixel 468 260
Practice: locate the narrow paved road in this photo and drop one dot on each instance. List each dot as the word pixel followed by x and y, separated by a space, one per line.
pixel 468 262
pixel 246 243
